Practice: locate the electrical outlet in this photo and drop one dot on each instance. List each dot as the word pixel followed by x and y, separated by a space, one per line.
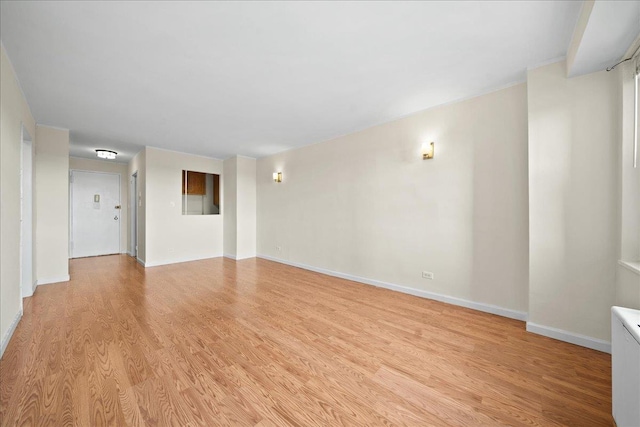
pixel 279 248
pixel 427 275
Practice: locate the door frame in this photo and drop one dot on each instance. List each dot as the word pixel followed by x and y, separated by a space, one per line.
pixel 133 214
pixel 71 171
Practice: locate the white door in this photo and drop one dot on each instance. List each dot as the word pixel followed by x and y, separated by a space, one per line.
pixel 95 215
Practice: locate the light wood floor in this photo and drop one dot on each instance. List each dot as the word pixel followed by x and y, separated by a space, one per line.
pixel 219 342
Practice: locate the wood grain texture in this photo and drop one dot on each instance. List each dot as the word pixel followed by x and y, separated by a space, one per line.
pixel 257 343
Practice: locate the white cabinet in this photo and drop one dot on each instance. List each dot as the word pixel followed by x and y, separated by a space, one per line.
pixel 625 361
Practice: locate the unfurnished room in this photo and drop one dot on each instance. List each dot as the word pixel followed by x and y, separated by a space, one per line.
pixel 320 213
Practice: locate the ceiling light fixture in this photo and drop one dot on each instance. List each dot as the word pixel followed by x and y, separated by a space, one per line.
pixel 106 154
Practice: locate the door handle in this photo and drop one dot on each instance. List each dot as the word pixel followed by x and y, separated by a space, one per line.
pixel 115 217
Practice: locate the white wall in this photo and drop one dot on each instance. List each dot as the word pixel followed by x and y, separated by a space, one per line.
pixel 170 236
pixel 137 165
pixel 27 223
pixel 14 112
pixel 246 208
pixel 367 205
pixel 77 163
pixel 230 186
pixel 52 204
pixel 573 199
pixel 240 207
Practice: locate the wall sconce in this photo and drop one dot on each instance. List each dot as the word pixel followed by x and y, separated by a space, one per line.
pixel 428 150
pixel 277 176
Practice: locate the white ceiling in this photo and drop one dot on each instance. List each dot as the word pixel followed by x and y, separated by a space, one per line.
pixel 256 78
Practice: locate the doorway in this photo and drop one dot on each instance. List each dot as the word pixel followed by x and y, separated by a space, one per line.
pixel 95 213
pixel 26 215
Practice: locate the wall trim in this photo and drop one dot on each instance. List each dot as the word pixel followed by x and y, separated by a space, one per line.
pixel 141 262
pixel 34 286
pixel 240 155
pixel 487 308
pixel 547 62
pixel 182 152
pixel 634 267
pixel 51 280
pixel 9 334
pixel 94 159
pixel 570 337
pixel 43 125
pixel 177 261
pixel 229 256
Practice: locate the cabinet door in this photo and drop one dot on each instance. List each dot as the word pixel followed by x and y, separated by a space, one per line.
pixel 195 183
pixel 216 190
pixel 626 375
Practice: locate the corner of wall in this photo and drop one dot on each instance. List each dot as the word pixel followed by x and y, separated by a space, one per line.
pixel 52 196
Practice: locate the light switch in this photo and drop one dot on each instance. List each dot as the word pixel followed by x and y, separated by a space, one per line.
pixel 96 198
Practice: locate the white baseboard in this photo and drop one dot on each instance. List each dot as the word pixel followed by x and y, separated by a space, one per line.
pixel 35 285
pixel 237 258
pixel 50 280
pixel 9 334
pixel 177 261
pixel 141 262
pixel 570 337
pixel 487 308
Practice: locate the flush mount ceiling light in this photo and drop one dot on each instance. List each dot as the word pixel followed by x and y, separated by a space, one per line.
pixel 106 154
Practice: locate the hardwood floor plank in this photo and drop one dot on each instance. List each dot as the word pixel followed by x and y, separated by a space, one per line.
pixel 256 343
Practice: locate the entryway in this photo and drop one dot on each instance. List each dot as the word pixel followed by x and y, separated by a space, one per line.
pixel 95 213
